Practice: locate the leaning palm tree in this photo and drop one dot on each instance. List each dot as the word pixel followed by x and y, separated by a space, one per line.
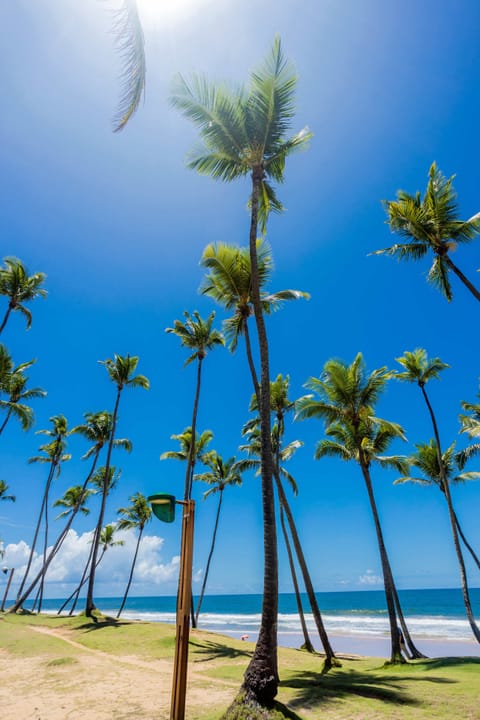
pixel 73 502
pixel 195 334
pixel 244 133
pixel 19 287
pixel 419 369
pixel 431 224
pixel 135 516
pixel 13 383
pixel 346 400
pixel 120 371
pixel 4 492
pixel 54 455
pixel 221 474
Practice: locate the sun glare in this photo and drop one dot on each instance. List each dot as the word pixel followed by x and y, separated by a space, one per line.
pixel 167 11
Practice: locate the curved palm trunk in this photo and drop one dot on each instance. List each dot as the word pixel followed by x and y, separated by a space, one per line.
pixel 6 316
pixel 45 546
pixel 396 653
pixel 251 364
pixel 90 605
pixel 307 644
pixel 4 424
pixel 212 547
pixel 37 529
pixel 131 573
pixel 415 654
pixel 261 677
pixel 453 523
pixel 75 594
pixel 466 543
pixel 459 274
pixel 330 659
pixel 192 454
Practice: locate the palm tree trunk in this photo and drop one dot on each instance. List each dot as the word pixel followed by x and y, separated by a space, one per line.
pixel 212 547
pixel 131 573
pixel 466 543
pixel 396 653
pixel 453 524
pixel 330 659
pixel 90 605
pixel 261 677
pixel 307 644
pixel 45 546
pixel 462 277
pixel 192 453
pixel 5 319
pixel 4 424
pixel 414 652
pixel 37 530
pixel 251 364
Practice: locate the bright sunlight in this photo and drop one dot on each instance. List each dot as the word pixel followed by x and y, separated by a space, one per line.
pixel 156 12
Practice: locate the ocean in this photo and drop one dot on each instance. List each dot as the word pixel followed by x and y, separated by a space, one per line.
pixel 433 614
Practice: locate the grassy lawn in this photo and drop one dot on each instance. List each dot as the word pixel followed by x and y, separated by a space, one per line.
pixel 444 689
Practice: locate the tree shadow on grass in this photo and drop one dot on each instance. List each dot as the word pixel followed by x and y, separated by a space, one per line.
pixel 316 689
pixel 103 622
pixel 216 651
pixel 445 662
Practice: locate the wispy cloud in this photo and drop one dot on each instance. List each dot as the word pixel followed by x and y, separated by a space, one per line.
pixel 369 578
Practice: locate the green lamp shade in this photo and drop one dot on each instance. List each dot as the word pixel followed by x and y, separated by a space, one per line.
pixel 163 506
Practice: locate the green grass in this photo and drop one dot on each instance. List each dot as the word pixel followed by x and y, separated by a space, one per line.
pixel 362 689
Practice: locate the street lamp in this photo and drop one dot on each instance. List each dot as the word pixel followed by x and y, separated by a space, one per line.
pixel 163 507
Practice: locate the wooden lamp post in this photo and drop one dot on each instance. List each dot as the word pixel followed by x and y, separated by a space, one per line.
pixel 163 507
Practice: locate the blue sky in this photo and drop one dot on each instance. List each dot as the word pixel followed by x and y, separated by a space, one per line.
pixel 118 224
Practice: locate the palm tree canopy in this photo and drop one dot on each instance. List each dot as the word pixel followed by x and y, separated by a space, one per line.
pixel 425 459
pixel 20 287
pixel 253 449
pixel 470 424
pixel 196 334
pixel 185 440
pixel 74 500
pixel 13 383
pixel 107 537
pixel 347 396
pixel 135 515
pixel 120 370
pixel 4 492
pixel 130 43
pixel 220 473
pixel 97 429
pixel 229 283
pixel 430 224
pixel 99 476
pixel 418 368
pixel 244 129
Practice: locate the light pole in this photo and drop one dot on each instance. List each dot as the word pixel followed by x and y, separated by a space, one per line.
pixel 9 582
pixel 163 507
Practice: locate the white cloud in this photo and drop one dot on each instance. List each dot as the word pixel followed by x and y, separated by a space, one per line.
pixel 370 578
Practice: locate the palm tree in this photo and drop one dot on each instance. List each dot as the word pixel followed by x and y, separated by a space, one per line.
pixel 197 335
pixel 12 382
pixel 244 134
pixel 470 423
pixel 185 441
pixel 74 501
pixel 431 224
pixel 120 371
pixel 137 515
pixel 426 460
pixel 229 283
pixel 4 492
pixel 419 369
pixel 347 396
pixel 220 475
pixel 54 455
pixel 19 287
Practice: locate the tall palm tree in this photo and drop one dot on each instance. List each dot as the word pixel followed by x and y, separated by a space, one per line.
pixel 74 501
pixel 120 371
pixel 426 460
pixel 13 383
pixel 195 334
pixel 431 224
pixel 135 516
pixel 219 476
pixel 347 397
pixel 54 455
pixel 4 492
pixel 19 287
pixel 419 369
pixel 244 133
pixel 229 283
pixel 185 442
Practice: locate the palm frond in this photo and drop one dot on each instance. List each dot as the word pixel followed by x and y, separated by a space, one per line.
pixel 130 44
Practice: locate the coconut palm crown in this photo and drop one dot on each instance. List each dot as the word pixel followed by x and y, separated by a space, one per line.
pixel 19 287
pixel 431 224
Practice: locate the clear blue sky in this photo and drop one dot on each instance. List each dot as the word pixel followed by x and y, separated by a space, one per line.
pixel 118 224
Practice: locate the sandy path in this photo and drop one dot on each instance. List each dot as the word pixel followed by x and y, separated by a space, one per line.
pixel 80 683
